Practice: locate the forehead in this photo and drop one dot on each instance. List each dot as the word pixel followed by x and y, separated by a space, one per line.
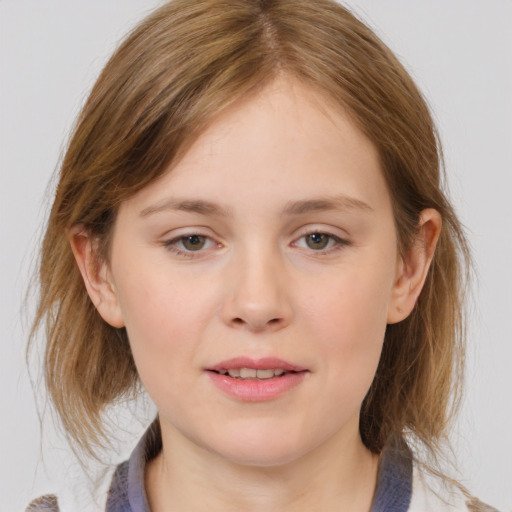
pixel 285 142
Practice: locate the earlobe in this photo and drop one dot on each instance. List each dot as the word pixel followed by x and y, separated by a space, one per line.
pixel 412 268
pixel 96 275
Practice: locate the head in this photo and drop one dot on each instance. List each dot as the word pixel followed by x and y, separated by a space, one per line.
pixel 166 86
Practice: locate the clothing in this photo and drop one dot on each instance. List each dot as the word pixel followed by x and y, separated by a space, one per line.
pixel 401 487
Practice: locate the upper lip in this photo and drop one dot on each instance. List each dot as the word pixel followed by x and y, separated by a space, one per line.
pixel 264 363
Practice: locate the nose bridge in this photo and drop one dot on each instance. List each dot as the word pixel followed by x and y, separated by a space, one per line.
pixel 257 297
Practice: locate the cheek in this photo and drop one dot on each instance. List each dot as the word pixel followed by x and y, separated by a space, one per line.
pixel 349 324
pixel 164 318
pixel 352 312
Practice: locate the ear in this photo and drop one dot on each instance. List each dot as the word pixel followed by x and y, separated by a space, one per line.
pixel 96 275
pixel 412 268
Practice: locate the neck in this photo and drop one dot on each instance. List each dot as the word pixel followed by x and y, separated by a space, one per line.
pixel 340 474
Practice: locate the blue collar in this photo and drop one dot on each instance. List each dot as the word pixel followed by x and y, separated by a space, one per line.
pixel 127 493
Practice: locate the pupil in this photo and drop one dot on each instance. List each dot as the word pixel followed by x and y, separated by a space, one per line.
pixel 193 242
pixel 317 241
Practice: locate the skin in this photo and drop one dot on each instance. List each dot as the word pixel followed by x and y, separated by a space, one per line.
pixel 261 286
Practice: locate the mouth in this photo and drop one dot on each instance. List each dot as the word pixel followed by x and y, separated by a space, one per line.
pixel 251 369
pixel 253 374
pixel 256 380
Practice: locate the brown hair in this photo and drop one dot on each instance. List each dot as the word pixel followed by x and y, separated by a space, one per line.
pixel 178 69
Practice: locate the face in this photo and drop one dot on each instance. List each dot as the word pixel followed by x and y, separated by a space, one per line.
pixel 256 278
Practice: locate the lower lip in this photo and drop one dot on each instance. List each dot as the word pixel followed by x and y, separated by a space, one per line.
pixel 256 390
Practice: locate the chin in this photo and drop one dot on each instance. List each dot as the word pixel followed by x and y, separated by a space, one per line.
pixel 263 449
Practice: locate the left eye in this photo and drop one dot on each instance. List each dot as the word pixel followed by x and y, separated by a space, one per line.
pixel 318 241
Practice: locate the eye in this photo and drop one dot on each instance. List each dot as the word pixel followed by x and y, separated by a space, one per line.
pixel 189 244
pixel 193 242
pixel 319 241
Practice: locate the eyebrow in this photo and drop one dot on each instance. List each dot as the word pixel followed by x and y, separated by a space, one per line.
pixel 202 207
pixel 186 205
pixel 334 203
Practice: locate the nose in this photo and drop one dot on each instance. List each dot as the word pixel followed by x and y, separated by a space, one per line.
pixel 257 293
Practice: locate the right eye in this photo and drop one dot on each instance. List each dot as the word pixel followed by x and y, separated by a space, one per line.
pixel 189 244
pixel 193 242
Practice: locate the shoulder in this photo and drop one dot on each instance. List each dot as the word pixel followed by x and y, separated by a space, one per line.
pixel 428 496
pixel 47 503
pixel 87 493
pixel 122 487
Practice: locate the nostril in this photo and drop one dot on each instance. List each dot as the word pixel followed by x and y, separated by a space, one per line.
pixel 240 321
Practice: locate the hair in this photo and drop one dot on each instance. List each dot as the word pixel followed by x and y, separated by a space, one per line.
pixel 176 71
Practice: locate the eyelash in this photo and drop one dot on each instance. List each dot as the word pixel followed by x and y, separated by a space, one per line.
pixel 171 245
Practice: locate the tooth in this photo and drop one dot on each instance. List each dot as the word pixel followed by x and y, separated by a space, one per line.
pixel 265 374
pixel 251 373
pixel 248 373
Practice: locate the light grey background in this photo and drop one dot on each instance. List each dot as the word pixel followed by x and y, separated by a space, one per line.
pixel 459 51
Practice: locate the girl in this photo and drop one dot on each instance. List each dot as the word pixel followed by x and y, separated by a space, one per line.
pixel 249 223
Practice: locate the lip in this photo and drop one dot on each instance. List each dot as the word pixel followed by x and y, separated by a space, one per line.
pixel 256 390
pixel 257 364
